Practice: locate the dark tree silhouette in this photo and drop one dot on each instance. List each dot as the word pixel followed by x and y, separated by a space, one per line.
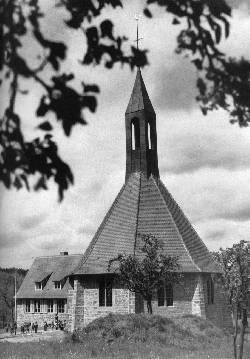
pixel 222 82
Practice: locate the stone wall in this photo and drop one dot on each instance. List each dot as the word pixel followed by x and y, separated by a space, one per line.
pixel 40 318
pixel 187 298
pixel 219 311
pixel 87 301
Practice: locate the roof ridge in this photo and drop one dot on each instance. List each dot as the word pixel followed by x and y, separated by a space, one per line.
pixel 137 216
pixel 179 234
pixel 59 255
pixel 209 257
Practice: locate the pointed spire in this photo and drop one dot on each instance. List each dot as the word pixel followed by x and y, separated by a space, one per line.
pixel 139 99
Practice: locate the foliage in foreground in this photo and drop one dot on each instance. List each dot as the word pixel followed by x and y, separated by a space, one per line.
pixel 146 270
pixel 222 82
pixel 7 291
pixel 235 279
pixel 132 336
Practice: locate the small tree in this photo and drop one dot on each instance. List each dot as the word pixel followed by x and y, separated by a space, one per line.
pixel 147 269
pixel 235 264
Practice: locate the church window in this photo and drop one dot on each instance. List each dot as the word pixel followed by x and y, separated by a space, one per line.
pixel 37 306
pixel 210 291
pixel 135 128
pixel 60 306
pixel 105 292
pixel 27 306
pixel 165 295
pixel 169 295
pixel 161 297
pixel 38 285
pixel 149 136
pixel 50 305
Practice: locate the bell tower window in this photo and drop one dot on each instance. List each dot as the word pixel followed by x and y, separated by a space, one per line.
pixel 135 129
pixel 149 136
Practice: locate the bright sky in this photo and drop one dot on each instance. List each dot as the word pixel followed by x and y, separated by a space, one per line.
pixel 204 161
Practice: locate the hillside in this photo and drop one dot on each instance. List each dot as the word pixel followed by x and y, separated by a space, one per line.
pixel 134 336
pixel 7 291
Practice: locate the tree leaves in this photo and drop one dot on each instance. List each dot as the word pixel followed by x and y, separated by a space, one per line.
pixel 144 271
pixel 45 126
pixel 223 83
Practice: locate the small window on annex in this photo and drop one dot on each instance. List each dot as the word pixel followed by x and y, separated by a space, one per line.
pixel 27 306
pixel 50 305
pixel 210 291
pixel 61 306
pixel 135 133
pixel 58 284
pixel 37 306
pixel 38 285
pixel 105 292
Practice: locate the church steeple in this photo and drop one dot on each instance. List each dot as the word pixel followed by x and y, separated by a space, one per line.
pixel 141 136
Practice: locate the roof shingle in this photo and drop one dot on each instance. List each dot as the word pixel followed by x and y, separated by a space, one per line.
pixel 144 206
pixel 58 267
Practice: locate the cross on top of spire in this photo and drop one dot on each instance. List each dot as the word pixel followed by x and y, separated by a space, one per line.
pixel 137 18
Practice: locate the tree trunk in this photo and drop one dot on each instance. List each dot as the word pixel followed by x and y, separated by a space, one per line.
pixel 149 306
pixel 235 326
pixel 242 332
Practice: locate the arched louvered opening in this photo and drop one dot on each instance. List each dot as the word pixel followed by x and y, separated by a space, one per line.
pixel 149 136
pixel 135 129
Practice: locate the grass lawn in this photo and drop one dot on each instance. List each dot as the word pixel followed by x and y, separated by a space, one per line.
pixel 133 336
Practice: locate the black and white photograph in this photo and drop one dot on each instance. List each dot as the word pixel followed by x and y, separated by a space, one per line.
pixel 125 179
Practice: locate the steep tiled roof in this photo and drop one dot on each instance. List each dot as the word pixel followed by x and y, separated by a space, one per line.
pixel 139 99
pixel 144 206
pixel 53 268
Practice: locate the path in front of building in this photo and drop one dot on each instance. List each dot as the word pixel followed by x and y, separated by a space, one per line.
pixel 32 337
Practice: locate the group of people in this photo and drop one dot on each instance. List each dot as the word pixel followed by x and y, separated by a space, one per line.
pixel 28 327
pixel 12 328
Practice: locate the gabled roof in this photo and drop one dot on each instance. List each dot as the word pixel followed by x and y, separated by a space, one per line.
pixel 139 99
pixel 144 206
pixel 58 267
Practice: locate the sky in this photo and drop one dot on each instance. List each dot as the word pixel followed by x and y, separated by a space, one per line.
pixel 203 160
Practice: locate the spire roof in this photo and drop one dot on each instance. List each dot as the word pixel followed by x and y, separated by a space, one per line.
pixel 144 206
pixel 139 99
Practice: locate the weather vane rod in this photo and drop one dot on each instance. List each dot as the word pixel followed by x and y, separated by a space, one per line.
pixel 137 18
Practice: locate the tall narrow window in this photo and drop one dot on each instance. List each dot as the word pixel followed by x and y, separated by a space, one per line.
pixel 37 306
pixel 161 297
pixel 109 293
pixel 135 129
pixel 105 292
pixel 50 305
pixel 27 306
pixel 61 305
pixel 169 295
pixel 210 291
pixel 102 293
pixel 149 136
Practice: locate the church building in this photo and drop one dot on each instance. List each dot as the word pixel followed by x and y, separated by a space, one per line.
pixel 143 206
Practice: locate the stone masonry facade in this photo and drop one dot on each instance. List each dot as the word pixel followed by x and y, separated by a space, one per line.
pixel 40 318
pixel 189 297
pixel 82 305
